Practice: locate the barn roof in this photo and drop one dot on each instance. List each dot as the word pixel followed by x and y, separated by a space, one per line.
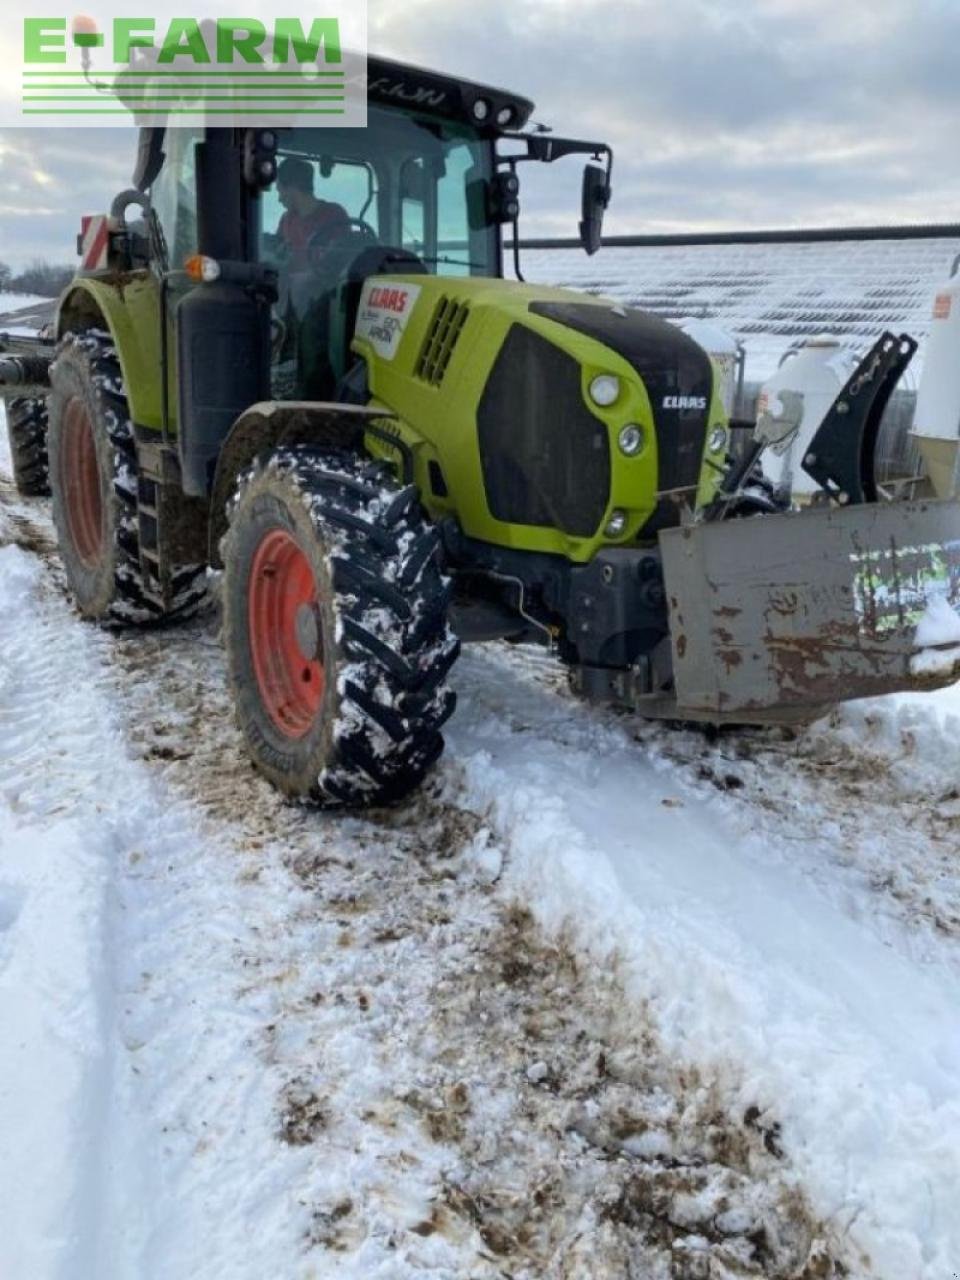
pixel 771 289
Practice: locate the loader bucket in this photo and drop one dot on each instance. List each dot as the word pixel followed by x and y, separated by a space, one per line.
pixel 777 617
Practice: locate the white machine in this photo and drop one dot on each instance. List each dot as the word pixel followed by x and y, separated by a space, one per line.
pixel 936 424
pixel 797 399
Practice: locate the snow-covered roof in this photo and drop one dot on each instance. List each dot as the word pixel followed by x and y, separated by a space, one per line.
pixel 768 295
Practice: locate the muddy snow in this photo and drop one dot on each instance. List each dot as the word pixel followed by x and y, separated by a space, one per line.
pixel 606 999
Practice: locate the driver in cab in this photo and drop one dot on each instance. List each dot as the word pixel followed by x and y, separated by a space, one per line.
pixel 308 225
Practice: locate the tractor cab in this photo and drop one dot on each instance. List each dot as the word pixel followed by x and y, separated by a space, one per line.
pixel 349 204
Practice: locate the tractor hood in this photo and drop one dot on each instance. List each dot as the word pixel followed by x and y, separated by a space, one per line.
pixel 507 371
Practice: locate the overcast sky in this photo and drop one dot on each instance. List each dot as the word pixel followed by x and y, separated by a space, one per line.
pixel 723 113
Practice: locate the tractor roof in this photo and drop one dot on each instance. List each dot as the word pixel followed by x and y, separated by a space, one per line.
pixel 396 84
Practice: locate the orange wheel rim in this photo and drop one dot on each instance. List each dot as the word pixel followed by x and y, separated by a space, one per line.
pixel 80 483
pixel 286 638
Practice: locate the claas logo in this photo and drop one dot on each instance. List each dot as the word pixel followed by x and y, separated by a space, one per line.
pixel 225 41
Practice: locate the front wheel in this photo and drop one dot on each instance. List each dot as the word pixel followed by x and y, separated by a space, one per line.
pixel 335 624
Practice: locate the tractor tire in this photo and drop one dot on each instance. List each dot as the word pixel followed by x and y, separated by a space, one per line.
pixel 27 433
pixel 335 625
pixel 93 478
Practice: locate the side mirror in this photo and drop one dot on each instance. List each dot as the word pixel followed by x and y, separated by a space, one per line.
pixel 596 197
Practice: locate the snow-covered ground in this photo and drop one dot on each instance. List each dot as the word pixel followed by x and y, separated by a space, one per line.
pixel 12 302
pixel 607 999
pixel 23 313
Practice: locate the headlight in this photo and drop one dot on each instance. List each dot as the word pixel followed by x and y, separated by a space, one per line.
pixel 481 109
pixel 717 440
pixel 631 440
pixel 616 524
pixel 605 390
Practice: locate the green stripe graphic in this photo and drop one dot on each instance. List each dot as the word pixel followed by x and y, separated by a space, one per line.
pixel 267 93
pixel 200 97
pixel 298 90
pixel 181 111
pixel 267 75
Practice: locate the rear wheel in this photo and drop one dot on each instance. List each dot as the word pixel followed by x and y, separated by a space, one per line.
pixel 93 478
pixel 27 433
pixel 335 624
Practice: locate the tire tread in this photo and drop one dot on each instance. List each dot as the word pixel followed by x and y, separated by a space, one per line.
pixel 395 647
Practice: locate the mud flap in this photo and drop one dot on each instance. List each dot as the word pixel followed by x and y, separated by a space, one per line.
pixel 777 617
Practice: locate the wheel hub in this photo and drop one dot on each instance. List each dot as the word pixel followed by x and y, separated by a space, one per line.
pixel 308 632
pixel 286 634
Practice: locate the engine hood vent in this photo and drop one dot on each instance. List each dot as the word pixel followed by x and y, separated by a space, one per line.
pixel 442 337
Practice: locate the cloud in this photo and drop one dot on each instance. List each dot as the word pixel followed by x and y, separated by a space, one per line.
pixel 723 113
pixel 48 179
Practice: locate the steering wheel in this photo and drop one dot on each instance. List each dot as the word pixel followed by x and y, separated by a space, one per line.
pixel 354 231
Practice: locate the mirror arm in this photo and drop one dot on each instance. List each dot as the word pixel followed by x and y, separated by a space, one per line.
pixel 546 149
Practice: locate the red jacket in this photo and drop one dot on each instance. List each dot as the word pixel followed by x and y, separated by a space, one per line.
pixel 327 221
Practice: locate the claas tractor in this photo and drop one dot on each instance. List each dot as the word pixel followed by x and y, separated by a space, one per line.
pixel 388 448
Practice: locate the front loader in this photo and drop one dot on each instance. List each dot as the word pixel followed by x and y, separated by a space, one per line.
pixel 389 448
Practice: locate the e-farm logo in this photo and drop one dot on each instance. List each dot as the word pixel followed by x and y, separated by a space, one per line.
pixel 302 69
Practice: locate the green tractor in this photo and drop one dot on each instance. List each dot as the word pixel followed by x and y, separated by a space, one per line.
pixel 389 448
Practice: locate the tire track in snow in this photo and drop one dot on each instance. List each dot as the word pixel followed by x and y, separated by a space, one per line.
pixel 54 1062
pixel 866 803
pixel 179 966
pixel 130 973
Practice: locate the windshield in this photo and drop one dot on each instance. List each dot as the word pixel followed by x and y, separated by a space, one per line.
pixel 400 183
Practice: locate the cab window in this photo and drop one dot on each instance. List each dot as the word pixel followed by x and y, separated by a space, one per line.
pixel 173 196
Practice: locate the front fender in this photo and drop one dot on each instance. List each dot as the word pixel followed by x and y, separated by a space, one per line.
pixel 128 307
pixel 267 426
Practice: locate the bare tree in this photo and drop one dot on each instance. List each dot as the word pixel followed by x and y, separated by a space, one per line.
pixel 44 278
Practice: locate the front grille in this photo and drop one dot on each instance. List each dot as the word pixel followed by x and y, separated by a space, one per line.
pixel 545 457
pixel 445 329
pixel 674 370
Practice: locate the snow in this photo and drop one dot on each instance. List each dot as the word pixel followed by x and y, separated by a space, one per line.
pixel 743 960
pixel 940 624
pixel 13 302
pixel 21 314
pixel 770 295
pixel 937 639
pixel 52 891
pixel 710 336
pixel 936 662
pixel 606 999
